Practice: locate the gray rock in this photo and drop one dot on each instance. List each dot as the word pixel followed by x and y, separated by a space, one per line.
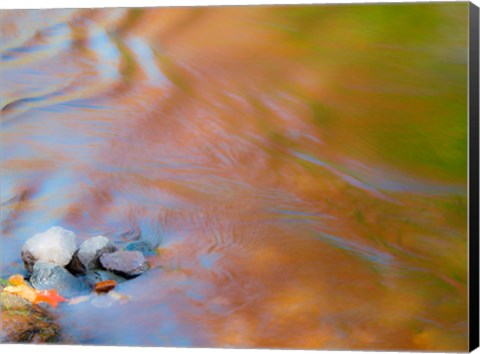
pixel 95 276
pixel 125 263
pixel 56 245
pixel 88 254
pixel 47 276
pixel 141 246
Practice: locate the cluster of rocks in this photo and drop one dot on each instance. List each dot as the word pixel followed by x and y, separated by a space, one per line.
pixel 54 261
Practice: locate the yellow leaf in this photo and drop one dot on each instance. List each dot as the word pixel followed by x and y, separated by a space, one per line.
pixel 22 290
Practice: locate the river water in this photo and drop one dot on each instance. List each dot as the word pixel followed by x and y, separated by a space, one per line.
pixel 302 170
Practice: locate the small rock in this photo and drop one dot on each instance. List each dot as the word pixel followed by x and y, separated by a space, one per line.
pixel 56 245
pixel 96 276
pixel 89 252
pixel 141 246
pixel 105 286
pixel 75 266
pixel 126 263
pixel 46 276
pixel 23 322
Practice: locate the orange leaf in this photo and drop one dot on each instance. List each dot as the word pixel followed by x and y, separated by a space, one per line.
pixel 51 297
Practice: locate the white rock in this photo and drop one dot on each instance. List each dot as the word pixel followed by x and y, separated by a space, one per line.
pixel 56 245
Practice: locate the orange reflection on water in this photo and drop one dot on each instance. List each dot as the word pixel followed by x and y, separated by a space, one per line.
pixel 301 169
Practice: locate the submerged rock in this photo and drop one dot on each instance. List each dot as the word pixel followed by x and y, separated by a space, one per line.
pixel 23 322
pixel 112 298
pixel 96 276
pixel 47 276
pixel 141 246
pixel 126 263
pixel 56 245
pixel 88 254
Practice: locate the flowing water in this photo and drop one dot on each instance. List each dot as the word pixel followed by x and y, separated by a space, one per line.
pixel 302 169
